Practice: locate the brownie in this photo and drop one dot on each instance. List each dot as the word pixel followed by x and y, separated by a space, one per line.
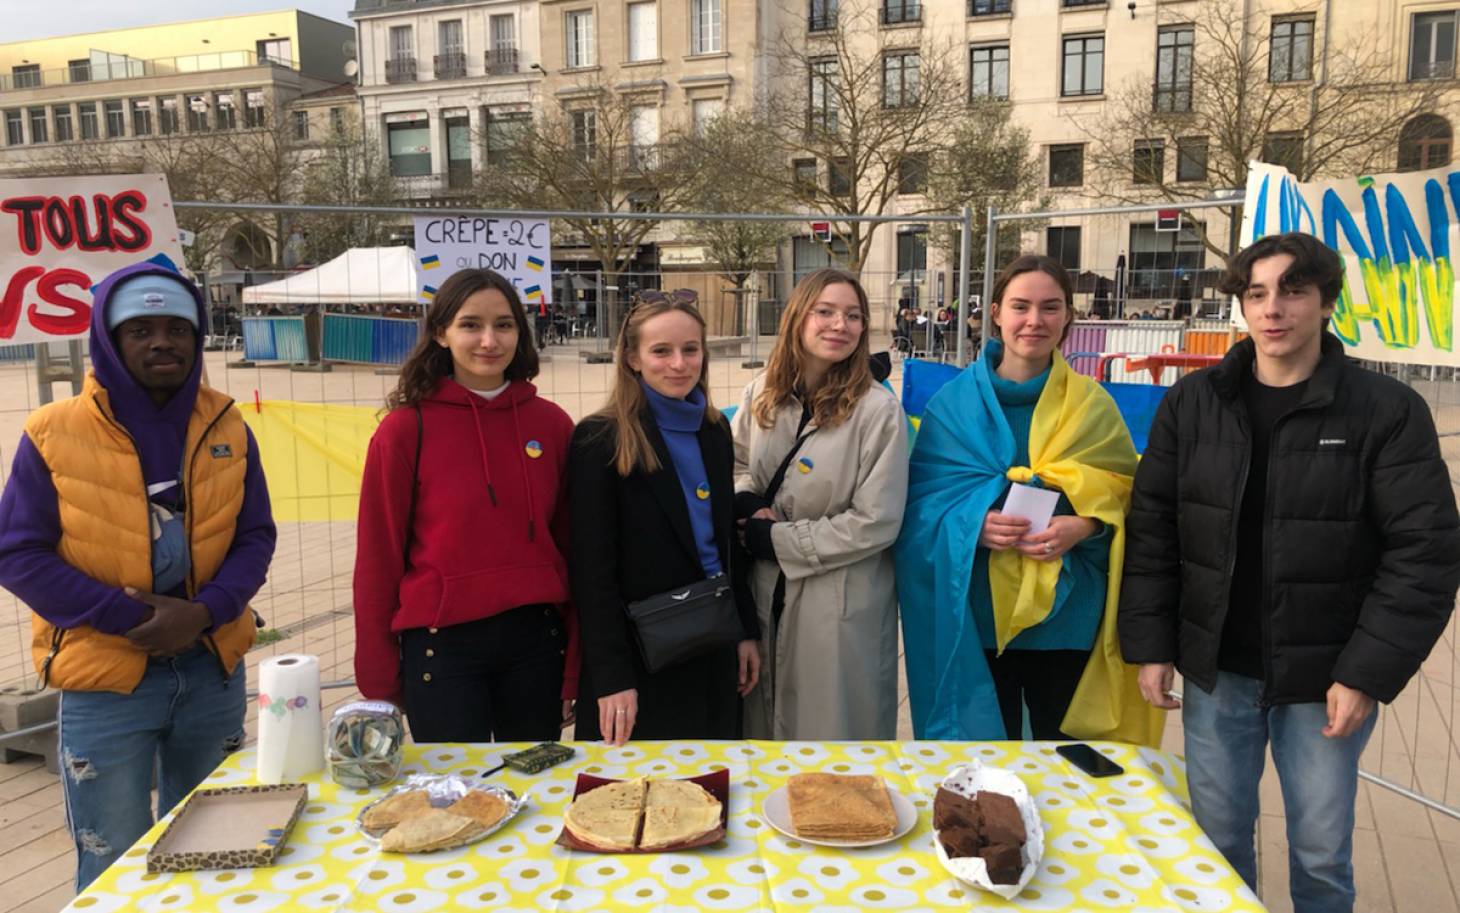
pixel 1002 822
pixel 960 842
pixel 1004 861
pixel 951 809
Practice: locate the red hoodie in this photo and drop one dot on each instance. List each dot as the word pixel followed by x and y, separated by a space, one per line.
pixel 491 523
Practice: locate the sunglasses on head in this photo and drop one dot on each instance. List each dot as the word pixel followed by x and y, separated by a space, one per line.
pixel 675 296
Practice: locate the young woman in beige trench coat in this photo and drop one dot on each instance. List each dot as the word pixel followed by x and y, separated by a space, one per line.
pixel 822 535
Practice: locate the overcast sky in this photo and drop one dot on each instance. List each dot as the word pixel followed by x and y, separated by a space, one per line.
pixel 31 19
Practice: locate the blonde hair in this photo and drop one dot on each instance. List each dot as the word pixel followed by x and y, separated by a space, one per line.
pixel 626 401
pixel 846 381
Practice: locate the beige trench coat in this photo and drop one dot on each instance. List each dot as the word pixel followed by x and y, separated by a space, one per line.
pixel 830 670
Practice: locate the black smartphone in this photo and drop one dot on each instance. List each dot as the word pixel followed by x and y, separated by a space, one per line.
pixel 1089 760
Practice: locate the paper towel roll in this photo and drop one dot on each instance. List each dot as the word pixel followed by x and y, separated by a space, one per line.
pixel 291 728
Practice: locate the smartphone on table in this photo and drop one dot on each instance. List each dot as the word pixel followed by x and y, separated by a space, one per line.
pixel 1089 760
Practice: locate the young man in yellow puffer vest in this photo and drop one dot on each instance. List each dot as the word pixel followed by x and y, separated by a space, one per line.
pixel 136 526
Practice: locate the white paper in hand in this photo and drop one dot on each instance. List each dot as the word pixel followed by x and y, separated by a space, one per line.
pixel 1033 504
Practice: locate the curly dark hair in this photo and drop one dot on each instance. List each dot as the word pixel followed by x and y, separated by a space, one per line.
pixel 430 361
pixel 1314 263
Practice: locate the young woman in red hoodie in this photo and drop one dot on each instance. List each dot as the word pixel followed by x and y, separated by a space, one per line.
pixel 462 616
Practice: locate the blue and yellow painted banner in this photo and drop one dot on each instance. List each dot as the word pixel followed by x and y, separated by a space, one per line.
pixel 1395 233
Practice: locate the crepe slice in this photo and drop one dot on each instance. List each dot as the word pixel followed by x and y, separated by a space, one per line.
pixel 435 830
pixel 392 810
pixel 483 807
pixel 608 816
pixel 677 811
pixel 834 807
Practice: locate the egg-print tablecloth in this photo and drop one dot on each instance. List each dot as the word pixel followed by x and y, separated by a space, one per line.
pixel 1122 843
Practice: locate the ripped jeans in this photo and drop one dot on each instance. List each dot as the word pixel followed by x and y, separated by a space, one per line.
pixel 182 720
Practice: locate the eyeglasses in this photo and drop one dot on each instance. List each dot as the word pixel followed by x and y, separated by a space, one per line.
pixel 828 316
pixel 677 296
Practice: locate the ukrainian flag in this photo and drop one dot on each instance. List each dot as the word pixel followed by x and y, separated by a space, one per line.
pixel 534 292
pixel 535 264
pixel 429 293
pixel 430 262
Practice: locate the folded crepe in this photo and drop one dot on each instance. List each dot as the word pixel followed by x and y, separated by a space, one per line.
pixel 434 830
pixel 836 807
pixel 609 816
pixel 677 811
pixel 483 807
pixel 392 810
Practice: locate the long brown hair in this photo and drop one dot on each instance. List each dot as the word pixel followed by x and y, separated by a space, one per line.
pixel 430 361
pixel 845 382
pixel 626 401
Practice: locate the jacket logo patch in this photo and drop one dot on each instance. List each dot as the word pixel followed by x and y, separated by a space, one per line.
pixel 220 451
pixel 534 449
pixel 1332 441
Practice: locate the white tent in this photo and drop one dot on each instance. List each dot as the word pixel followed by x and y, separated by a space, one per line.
pixel 362 275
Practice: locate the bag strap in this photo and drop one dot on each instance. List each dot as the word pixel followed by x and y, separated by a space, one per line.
pixel 415 481
pixel 780 474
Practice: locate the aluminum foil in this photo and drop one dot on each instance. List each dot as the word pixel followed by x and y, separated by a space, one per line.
pixel 444 790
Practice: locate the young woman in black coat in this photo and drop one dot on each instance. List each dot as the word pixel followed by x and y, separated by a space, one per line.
pixel 650 480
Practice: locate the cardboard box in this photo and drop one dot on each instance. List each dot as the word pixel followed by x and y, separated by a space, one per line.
pixel 238 827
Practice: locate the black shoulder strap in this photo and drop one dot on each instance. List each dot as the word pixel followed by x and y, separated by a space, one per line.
pixel 415 483
pixel 780 476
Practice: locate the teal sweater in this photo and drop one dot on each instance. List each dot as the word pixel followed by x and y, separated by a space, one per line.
pixel 1079 597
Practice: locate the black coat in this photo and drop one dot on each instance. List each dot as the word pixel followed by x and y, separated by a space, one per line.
pixel 1362 546
pixel 632 539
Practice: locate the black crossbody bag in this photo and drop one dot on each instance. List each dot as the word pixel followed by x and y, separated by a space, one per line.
pixel 683 623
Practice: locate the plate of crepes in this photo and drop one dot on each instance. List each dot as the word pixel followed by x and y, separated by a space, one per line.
pixel 839 810
pixel 986 829
pixel 646 815
pixel 429 813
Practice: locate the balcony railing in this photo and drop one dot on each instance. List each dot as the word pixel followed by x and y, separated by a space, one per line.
pixel 898 13
pixel 1432 69
pixel 132 68
pixel 400 69
pixel 434 186
pixel 501 61
pixel 451 65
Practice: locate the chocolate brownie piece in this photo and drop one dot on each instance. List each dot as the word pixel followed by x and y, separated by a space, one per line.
pixel 951 809
pixel 960 842
pixel 1002 822
pixel 1004 861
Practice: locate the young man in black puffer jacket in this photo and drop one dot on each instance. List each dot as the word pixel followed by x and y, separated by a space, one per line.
pixel 1293 549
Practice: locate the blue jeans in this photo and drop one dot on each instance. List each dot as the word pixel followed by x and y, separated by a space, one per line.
pixel 1227 733
pixel 182 720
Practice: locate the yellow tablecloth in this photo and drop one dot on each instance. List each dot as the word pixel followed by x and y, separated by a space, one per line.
pixel 1126 842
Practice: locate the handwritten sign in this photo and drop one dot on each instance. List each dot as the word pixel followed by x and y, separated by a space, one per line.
pixel 60 236
pixel 1397 235
pixel 520 249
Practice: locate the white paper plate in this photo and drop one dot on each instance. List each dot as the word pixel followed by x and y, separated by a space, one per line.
pixel 777 811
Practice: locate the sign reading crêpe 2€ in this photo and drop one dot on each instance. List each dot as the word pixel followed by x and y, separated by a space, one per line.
pixel 60 236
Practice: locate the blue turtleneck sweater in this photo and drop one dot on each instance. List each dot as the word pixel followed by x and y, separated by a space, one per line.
pixel 1079 597
pixel 679 422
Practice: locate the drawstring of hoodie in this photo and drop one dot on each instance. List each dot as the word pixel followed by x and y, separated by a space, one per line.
pixel 521 458
pixel 527 480
pixel 482 446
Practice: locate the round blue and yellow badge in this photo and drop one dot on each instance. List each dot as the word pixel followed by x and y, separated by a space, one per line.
pixel 534 449
pixel 702 491
pixel 805 465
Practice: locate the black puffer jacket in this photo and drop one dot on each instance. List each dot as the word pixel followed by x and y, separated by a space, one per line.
pixel 1363 544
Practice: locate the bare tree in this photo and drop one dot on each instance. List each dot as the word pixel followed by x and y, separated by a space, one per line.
pixel 986 160
pixel 855 126
pixel 593 153
pixel 728 148
pixel 1229 96
pixel 348 167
